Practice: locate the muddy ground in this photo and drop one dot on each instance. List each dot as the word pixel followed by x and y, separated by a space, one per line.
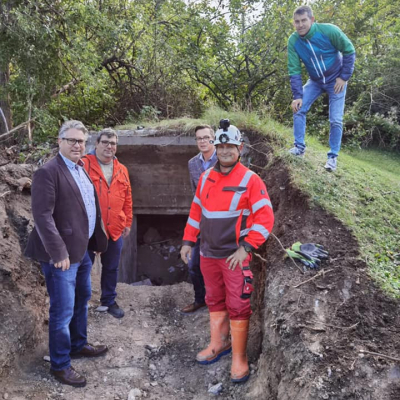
pixel 307 335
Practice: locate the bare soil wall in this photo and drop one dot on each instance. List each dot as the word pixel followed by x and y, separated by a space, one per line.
pixel 22 294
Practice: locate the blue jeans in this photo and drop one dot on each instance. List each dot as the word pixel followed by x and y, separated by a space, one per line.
pixel 195 274
pixel 69 293
pixel 109 271
pixel 311 91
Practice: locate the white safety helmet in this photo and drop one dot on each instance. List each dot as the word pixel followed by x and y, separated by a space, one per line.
pixel 227 133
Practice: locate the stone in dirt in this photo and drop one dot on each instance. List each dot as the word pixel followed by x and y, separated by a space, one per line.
pixel 216 389
pixel 134 394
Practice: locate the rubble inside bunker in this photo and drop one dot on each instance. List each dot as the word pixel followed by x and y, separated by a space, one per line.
pixel 305 336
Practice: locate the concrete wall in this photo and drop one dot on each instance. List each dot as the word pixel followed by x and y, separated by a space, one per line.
pixel 158 170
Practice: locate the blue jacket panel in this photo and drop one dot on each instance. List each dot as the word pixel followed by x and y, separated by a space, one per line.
pixel 326 52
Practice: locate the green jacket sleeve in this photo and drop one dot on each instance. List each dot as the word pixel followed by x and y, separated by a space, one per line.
pixel 294 69
pixel 294 62
pixel 342 43
pixel 338 38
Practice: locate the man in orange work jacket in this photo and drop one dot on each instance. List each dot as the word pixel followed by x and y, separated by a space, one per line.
pixel 111 180
pixel 233 212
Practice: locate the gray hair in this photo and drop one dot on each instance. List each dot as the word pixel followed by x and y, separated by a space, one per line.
pixel 72 124
pixel 110 133
pixel 303 10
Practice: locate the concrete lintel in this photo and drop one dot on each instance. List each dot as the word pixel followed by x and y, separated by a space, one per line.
pixel 161 211
pixel 156 141
pixel 146 137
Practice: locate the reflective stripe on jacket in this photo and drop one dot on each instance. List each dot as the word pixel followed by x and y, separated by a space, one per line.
pixel 229 211
pixel 116 199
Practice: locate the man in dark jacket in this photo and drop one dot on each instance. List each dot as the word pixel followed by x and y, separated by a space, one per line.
pixel 67 221
pixel 328 56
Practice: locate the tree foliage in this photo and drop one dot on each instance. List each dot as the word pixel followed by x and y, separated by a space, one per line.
pixel 373 99
pixel 109 60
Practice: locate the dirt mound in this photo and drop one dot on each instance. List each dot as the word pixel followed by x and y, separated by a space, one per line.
pixel 307 329
pixel 22 296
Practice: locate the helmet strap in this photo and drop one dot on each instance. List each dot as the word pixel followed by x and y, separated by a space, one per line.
pixel 229 166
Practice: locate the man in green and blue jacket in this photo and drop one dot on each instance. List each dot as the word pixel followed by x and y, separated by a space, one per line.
pixel 329 57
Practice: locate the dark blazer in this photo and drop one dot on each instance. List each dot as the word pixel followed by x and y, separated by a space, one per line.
pixel 61 222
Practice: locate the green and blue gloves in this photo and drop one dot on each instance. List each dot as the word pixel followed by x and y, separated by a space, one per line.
pixel 309 254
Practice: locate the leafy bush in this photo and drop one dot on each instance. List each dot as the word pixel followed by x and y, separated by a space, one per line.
pixel 375 130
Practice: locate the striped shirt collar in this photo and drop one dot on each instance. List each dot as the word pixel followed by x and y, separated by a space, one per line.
pixel 70 164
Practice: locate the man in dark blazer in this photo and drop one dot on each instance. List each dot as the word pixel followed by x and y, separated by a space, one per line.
pixel 204 136
pixel 67 222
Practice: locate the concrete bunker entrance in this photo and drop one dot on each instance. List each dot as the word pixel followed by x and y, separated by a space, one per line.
pixel 161 192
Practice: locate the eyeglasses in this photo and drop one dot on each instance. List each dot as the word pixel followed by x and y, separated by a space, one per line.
pixel 106 143
pixel 73 142
pixel 202 139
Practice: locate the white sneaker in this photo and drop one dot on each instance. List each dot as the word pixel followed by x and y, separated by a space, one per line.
pixel 331 164
pixel 295 151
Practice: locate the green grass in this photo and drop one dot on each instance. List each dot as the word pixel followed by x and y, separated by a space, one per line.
pixel 364 192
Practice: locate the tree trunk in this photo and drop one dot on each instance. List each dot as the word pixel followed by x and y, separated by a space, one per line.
pixel 5 108
pixel 5 112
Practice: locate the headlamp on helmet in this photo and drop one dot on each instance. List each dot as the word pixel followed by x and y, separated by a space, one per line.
pixel 224 124
pixel 227 133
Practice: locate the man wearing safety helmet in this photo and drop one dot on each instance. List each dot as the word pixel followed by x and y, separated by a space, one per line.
pixel 233 212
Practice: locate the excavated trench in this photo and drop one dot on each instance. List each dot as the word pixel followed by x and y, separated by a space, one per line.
pixel 307 328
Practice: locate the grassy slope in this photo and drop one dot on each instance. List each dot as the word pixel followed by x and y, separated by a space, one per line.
pixel 364 193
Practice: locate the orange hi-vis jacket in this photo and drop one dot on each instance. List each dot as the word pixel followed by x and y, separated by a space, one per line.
pixel 116 199
pixel 229 210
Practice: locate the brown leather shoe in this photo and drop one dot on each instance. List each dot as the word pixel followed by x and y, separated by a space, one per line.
pixel 69 376
pixel 191 308
pixel 89 350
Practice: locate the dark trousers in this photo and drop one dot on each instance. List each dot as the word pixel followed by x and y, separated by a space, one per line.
pixel 109 271
pixel 195 274
pixel 69 293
